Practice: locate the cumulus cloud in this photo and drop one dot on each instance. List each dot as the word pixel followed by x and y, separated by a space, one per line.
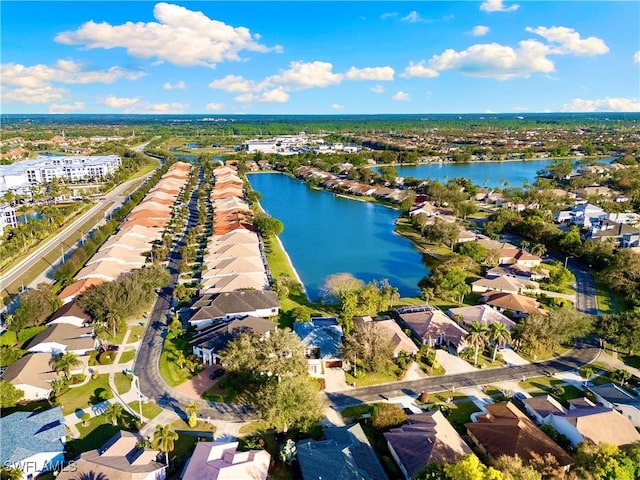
pixel 61 108
pixel 607 104
pixel 180 36
pixel 45 94
pixel 337 106
pixel 370 73
pixel 493 60
pixel 412 17
pixel 307 75
pixel 569 41
pixel 419 70
pixel 276 95
pixel 479 30
pixel 136 104
pixel 175 86
pixel 400 96
pixel 214 107
pixel 120 102
pixel 63 71
pixel 636 57
pixel 377 89
pixel 172 107
pixel 497 6
pixel 234 84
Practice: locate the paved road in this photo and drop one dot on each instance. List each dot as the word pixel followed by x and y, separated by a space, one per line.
pixel 573 359
pixel 146 368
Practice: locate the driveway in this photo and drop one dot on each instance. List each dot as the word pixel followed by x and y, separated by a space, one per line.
pixel 198 384
pixel 334 380
pixel 452 363
pixel 512 358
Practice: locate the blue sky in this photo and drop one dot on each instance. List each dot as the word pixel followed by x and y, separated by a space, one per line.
pixel 319 57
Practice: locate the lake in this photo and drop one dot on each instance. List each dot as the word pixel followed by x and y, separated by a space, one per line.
pixel 326 234
pixel 490 174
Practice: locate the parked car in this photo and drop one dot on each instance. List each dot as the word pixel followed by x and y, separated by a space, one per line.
pixel 112 348
pixel 216 373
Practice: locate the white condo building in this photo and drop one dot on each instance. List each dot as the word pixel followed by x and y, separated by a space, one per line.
pixel 20 176
pixel 7 217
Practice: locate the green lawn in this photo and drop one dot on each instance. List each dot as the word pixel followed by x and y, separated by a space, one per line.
pixel 135 331
pixel 168 367
pixel 182 451
pixel 218 393
pixel 356 411
pixel 605 304
pixel 123 382
pixel 92 392
pixel 127 356
pixel 539 383
pixel 202 425
pixel 94 435
pixel 631 360
pixel 253 427
pixel 460 412
pixel 374 378
pixel 149 409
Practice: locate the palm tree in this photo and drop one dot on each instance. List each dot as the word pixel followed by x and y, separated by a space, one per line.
pixel 538 249
pixel 164 439
pixel 500 335
pixel 477 338
pixel 192 409
pixel 64 363
pixel 113 413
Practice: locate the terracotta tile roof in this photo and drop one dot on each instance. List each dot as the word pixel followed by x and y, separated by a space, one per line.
pixel 146 222
pixel 230 283
pixel 233 265
pixel 430 325
pixel 79 287
pixel 151 213
pixel 233 250
pixel 512 301
pixel 235 237
pixel 104 270
pixel 505 430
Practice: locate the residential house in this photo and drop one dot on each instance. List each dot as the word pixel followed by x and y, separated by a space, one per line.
pixel 465 235
pixel 33 442
pixel 481 314
pixel 543 406
pixel 583 215
pixel 519 272
pixel 510 256
pixel 425 438
pixel 76 289
pixel 32 374
pixel 432 327
pixel 346 454
pixel 323 339
pixel 519 305
pixel 613 396
pixel 236 304
pixel 622 234
pixel 503 284
pixel 388 327
pixel 223 461
pixel 208 341
pixel 505 430
pixel 63 337
pixel 120 458
pixel 70 313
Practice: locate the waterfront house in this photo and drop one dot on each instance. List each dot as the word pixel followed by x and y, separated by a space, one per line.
pixel 432 327
pixel 120 458
pixel 223 461
pixel 510 256
pixel 390 330
pixel 612 396
pixel 229 305
pixel 230 283
pixel 505 430
pixel 209 340
pixel 63 337
pixel 503 284
pixel 32 374
pixel 322 338
pixel 426 438
pixel 519 272
pixel 33 442
pixel 345 454
pixel 519 305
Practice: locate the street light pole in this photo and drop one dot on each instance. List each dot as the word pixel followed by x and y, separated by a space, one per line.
pixel 139 395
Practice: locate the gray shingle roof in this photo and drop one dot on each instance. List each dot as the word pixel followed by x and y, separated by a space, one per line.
pixel 25 434
pixel 321 334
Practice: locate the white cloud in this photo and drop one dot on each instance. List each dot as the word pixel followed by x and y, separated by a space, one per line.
pixel 120 102
pixel 419 70
pixel 497 6
pixel 173 107
pixel 180 36
pixel 276 95
pixel 175 86
pixel 412 17
pixel 636 57
pixel 493 60
pixel 60 108
pixel 337 106
pixel 214 107
pixel 45 94
pixel 479 30
pixel 370 73
pixel 607 104
pixel 307 75
pixel 388 15
pixel 377 89
pixel 400 96
pixel 63 71
pixel 234 84
pixel 569 41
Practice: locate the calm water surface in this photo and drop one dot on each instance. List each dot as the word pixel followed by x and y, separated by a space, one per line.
pixel 326 234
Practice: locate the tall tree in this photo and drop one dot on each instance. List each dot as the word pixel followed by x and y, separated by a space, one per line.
pixel 113 413
pixel 9 395
pixel 192 410
pixel 164 440
pixel 367 344
pixel 499 335
pixel 477 338
pixel 64 363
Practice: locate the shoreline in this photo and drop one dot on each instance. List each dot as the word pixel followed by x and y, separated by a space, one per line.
pixel 522 160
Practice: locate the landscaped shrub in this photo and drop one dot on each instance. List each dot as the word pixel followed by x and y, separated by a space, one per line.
pixel 106 358
pixel 8 338
pixel 387 415
pixel 27 334
pixel 78 378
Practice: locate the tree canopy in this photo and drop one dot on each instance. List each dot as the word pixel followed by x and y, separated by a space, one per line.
pixel 267 225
